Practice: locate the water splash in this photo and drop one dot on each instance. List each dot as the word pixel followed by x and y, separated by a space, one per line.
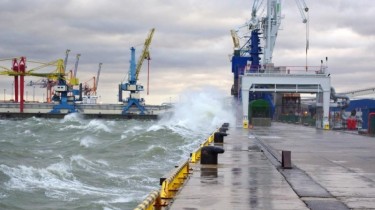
pixel 200 110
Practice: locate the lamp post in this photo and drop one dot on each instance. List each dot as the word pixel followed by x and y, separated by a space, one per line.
pixel 33 93
pixel 4 93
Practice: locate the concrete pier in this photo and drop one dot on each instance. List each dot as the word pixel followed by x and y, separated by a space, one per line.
pixel 330 170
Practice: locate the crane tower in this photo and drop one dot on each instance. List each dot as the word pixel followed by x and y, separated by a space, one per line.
pixel 132 86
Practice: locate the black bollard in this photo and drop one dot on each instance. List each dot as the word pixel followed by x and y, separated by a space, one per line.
pixel 219 137
pixel 223 129
pixel 209 154
pixel 225 125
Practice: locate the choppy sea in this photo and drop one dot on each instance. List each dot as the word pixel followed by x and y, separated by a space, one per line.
pixel 77 163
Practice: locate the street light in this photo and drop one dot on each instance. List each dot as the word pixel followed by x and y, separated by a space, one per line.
pixel 4 94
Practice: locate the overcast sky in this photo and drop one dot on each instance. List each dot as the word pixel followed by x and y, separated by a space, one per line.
pixel 191 43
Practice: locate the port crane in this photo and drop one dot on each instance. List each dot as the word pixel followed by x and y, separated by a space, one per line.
pixel 260 27
pixel 131 86
pixel 90 90
pixel 50 83
pixel 18 71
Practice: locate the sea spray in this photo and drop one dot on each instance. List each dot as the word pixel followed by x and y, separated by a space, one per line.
pixel 201 110
pixel 74 163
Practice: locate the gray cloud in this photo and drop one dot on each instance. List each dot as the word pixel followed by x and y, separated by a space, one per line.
pixel 191 43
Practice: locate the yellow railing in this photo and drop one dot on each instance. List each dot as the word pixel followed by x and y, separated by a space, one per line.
pixel 150 201
pixel 171 184
pixel 196 155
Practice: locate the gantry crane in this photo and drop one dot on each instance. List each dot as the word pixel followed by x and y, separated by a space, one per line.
pixel 64 93
pixel 268 26
pixel 270 23
pixel 18 71
pixel 90 90
pixel 50 83
pixel 134 98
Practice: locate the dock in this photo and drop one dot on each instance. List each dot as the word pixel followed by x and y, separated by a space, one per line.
pixel 88 111
pixel 330 170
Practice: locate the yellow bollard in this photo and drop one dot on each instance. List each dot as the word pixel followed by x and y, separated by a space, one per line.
pixel 245 124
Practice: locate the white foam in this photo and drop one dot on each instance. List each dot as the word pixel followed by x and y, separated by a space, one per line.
pixel 72 117
pixel 98 125
pixel 200 111
pixel 56 180
pixel 103 162
pixel 61 169
pixel 61 195
pixel 95 167
pixel 155 128
pixel 156 148
pixel 27 178
pixel 88 141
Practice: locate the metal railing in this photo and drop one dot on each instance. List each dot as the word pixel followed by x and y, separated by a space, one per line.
pixel 289 71
pixel 149 202
pixel 173 181
pixel 196 155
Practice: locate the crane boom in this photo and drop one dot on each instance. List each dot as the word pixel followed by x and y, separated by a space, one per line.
pixel 97 76
pixel 236 40
pixel 66 58
pixel 76 66
pixel 302 7
pixel 145 53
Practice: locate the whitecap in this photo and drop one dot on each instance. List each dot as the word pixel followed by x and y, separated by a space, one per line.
pixel 87 141
pixel 155 128
pixel 61 169
pixel 103 162
pixel 98 125
pixel 72 117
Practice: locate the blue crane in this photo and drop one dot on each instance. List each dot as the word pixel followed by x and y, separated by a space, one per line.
pixel 134 98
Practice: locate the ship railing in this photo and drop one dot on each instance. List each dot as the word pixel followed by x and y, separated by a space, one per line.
pixel 172 182
pixel 289 71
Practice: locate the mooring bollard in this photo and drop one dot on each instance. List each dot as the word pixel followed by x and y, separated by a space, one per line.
pixel 223 130
pixel 209 154
pixel 219 137
pixel 286 159
pixel 225 125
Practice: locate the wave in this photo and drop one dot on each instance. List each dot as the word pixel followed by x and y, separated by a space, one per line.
pixel 88 141
pixel 200 111
pixel 72 117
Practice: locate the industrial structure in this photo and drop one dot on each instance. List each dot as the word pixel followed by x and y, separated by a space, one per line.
pixel 257 78
pixel 90 87
pixel 134 99
pixel 65 94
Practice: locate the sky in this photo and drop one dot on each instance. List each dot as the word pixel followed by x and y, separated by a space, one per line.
pixel 191 44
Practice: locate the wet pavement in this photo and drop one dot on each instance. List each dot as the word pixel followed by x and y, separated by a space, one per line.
pixel 342 163
pixel 243 179
pixel 331 170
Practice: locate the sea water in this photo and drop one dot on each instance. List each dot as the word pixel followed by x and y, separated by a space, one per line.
pixel 77 163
